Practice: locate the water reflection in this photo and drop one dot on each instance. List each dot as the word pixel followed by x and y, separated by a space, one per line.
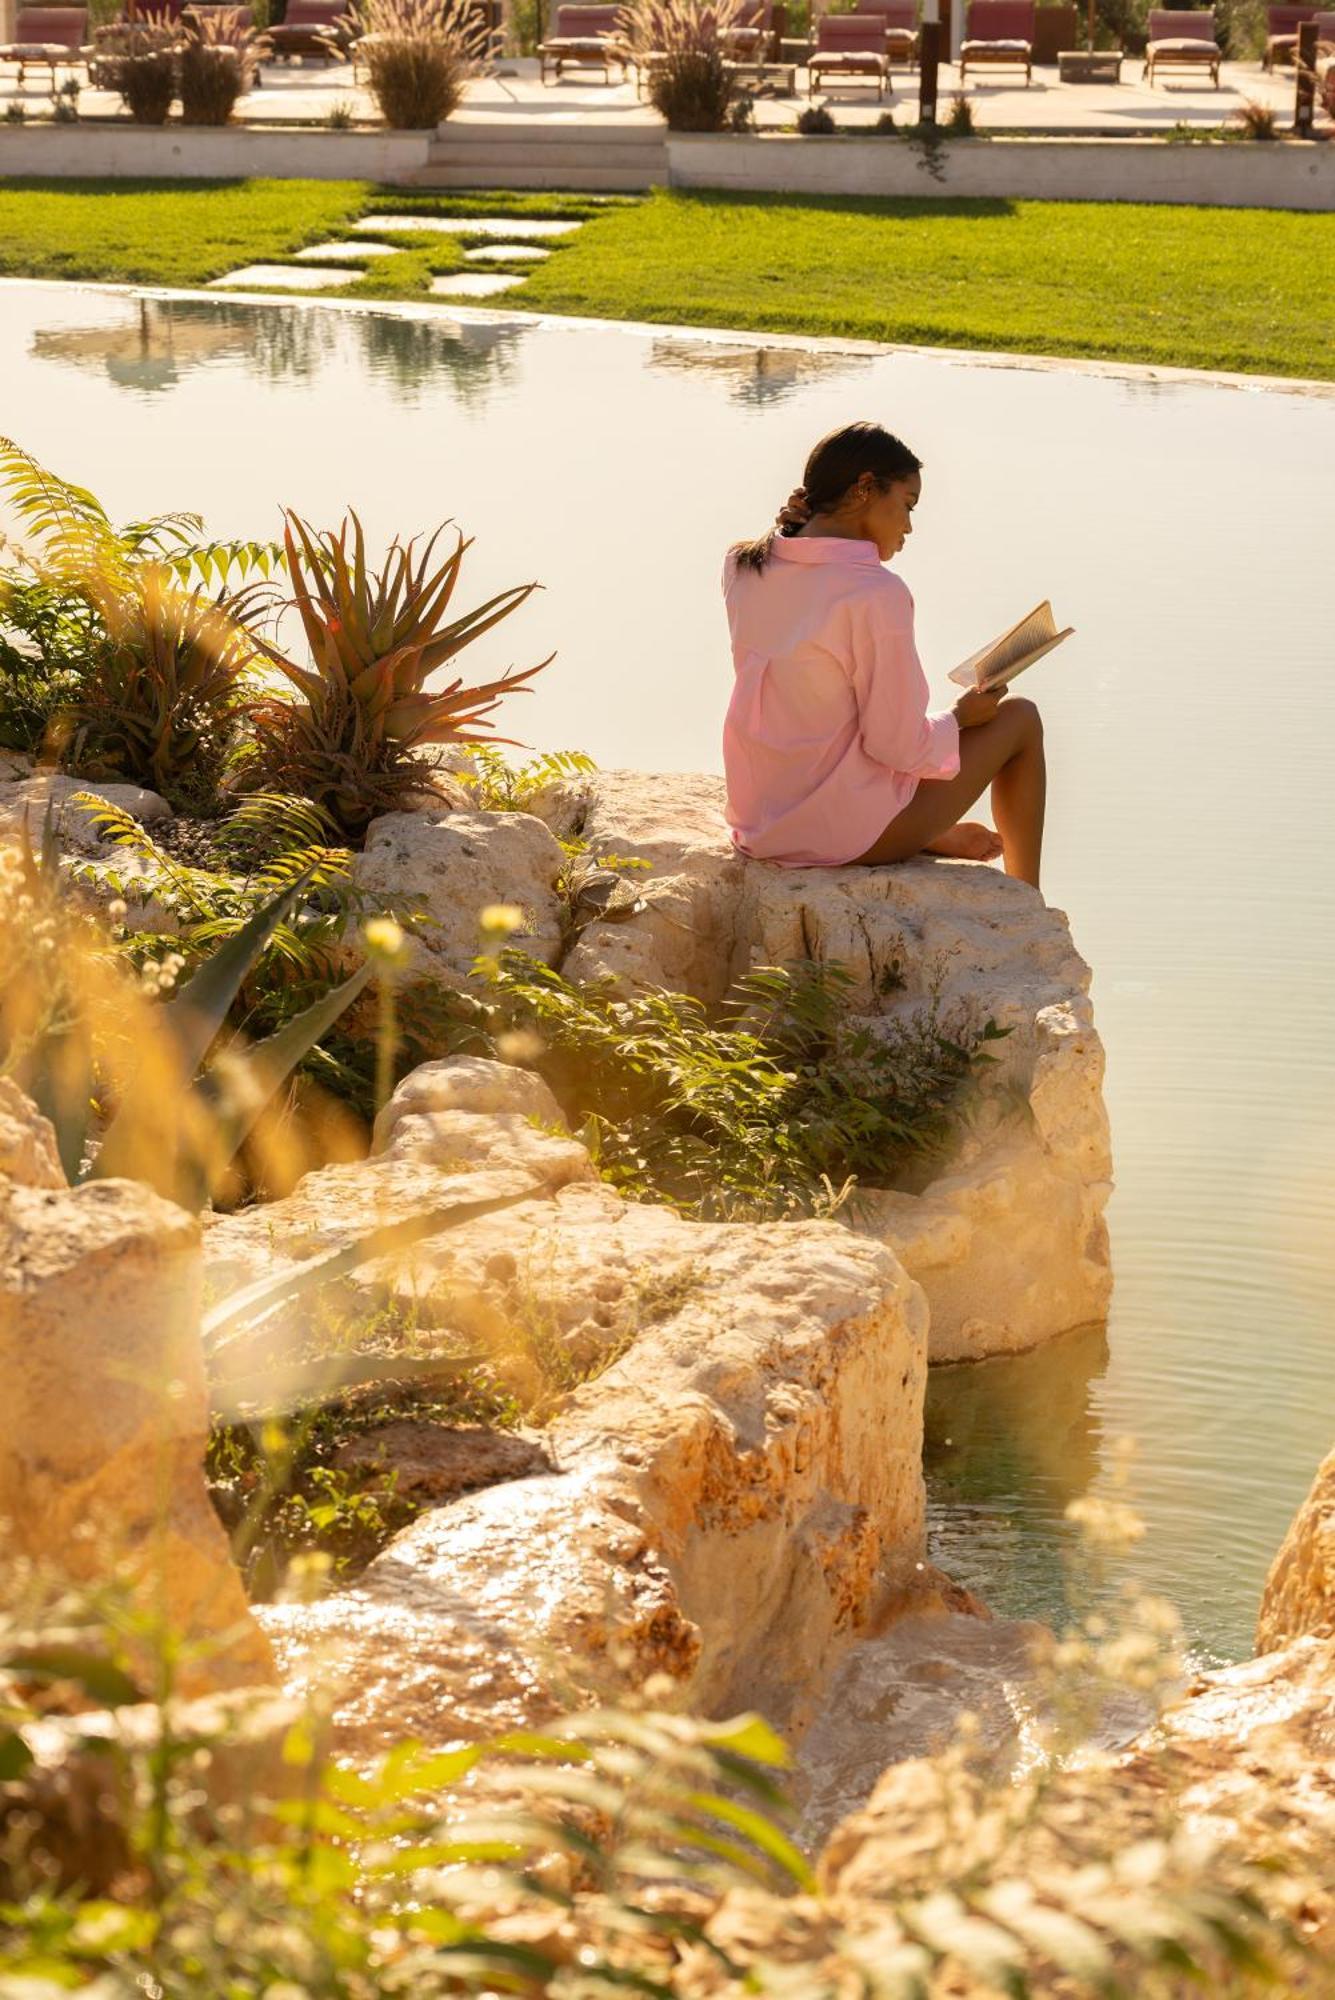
pixel 160 341
pixel 754 375
pixel 1008 1444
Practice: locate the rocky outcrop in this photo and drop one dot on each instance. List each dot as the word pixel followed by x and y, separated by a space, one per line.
pixel 104 1415
pixel 452 865
pixel 1009 1243
pixel 739 1445
pixel 1299 1594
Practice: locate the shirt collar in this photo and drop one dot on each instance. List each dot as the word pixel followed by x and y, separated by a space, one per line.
pixel 825 549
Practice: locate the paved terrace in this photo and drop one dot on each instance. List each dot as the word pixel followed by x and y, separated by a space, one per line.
pixel 307 93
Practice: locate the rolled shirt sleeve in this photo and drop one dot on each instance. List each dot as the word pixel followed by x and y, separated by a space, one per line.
pixel 891 688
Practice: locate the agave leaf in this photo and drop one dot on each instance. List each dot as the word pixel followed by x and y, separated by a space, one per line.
pixel 196 1015
pixel 93 1672
pixel 246 1083
pixel 233 1317
pixel 474 623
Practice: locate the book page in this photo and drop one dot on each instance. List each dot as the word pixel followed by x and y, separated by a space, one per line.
pixel 1003 658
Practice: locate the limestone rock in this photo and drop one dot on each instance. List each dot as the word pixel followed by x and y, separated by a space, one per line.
pixel 27 1141
pixel 1009 1242
pixel 454 865
pixel 731 1485
pixel 105 1415
pixel 1299 1594
pixel 457 1130
pixel 431 1463
pixel 29 798
pixel 472 1085
pixel 683 939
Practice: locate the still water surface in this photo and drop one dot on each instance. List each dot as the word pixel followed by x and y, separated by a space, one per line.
pixel 1186 529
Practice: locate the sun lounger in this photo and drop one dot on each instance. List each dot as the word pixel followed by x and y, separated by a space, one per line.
pixel 1281 33
pixel 585 37
pixel 901 28
pixel 999 34
pixel 1182 41
pixel 850 48
pixel 47 38
pixel 753 36
pixel 312 28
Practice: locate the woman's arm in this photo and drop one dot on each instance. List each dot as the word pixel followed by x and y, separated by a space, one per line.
pixel 891 689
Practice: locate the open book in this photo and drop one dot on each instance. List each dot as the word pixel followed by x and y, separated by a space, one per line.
pixel 1000 661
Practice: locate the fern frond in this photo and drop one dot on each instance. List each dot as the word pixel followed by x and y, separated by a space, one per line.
pixel 71 522
pixel 269 823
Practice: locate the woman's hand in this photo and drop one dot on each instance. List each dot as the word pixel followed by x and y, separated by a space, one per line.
pixel 794 513
pixel 977 705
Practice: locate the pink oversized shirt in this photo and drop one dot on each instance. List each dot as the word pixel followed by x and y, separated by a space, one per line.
pixel 827 733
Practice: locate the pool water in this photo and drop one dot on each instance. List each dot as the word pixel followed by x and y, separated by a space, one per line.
pixel 1183 526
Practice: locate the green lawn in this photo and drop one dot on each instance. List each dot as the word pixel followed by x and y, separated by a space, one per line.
pixel 1192 287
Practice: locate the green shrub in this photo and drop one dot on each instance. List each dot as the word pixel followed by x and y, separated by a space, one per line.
pixel 774 1109
pixel 816 122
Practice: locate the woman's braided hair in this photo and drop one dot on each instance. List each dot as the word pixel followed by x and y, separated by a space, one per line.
pixel 834 465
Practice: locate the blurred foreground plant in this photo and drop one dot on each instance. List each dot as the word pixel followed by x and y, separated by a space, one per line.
pixel 345 737
pixel 136 1076
pixel 618 1849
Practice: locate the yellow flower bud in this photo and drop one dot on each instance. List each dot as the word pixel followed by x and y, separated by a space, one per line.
pixel 499 919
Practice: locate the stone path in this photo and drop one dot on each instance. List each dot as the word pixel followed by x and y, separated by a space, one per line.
pixel 328 266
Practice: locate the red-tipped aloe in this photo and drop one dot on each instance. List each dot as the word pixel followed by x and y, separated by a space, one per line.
pixel 346 735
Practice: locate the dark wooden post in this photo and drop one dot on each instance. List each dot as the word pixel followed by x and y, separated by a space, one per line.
pixel 1304 103
pixel 929 61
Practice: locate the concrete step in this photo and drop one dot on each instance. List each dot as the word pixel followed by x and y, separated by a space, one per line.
pixel 561 153
pixel 490 173
pixel 508 132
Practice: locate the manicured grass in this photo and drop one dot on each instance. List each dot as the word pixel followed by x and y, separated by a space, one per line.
pixel 1243 289
pixel 173 233
pixel 1192 287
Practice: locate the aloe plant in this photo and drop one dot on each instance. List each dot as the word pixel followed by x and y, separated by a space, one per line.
pixel 345 735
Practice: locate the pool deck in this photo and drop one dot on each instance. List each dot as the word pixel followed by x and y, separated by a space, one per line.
pixel 578 106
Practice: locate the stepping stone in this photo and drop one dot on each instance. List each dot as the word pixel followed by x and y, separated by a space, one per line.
pixel 291 277
pixel 517 228
pixel 344 253
pixel 473 284
pixel 517 253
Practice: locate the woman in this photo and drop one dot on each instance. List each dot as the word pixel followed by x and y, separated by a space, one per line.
pixel 830 753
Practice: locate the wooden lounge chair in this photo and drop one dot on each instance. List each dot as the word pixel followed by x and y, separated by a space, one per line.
pixel 585 37
pixel 901 28
pixel 1182 41
pixel 999 34
pixel 753 36
pixel 1281 33
pixel 47 38
pixel 312 28
pixel 849 48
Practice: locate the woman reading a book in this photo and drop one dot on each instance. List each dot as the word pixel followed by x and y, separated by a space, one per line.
pixel 830 752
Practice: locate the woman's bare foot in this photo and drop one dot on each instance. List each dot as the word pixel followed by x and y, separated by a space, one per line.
pixel 968 840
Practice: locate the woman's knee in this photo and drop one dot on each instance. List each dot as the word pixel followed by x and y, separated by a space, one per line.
pixel 1025 718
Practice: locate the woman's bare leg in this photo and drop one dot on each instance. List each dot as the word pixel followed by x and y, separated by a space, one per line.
pixel 1006 753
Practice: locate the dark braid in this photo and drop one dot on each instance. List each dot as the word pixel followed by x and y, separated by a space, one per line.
pixel 836 464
